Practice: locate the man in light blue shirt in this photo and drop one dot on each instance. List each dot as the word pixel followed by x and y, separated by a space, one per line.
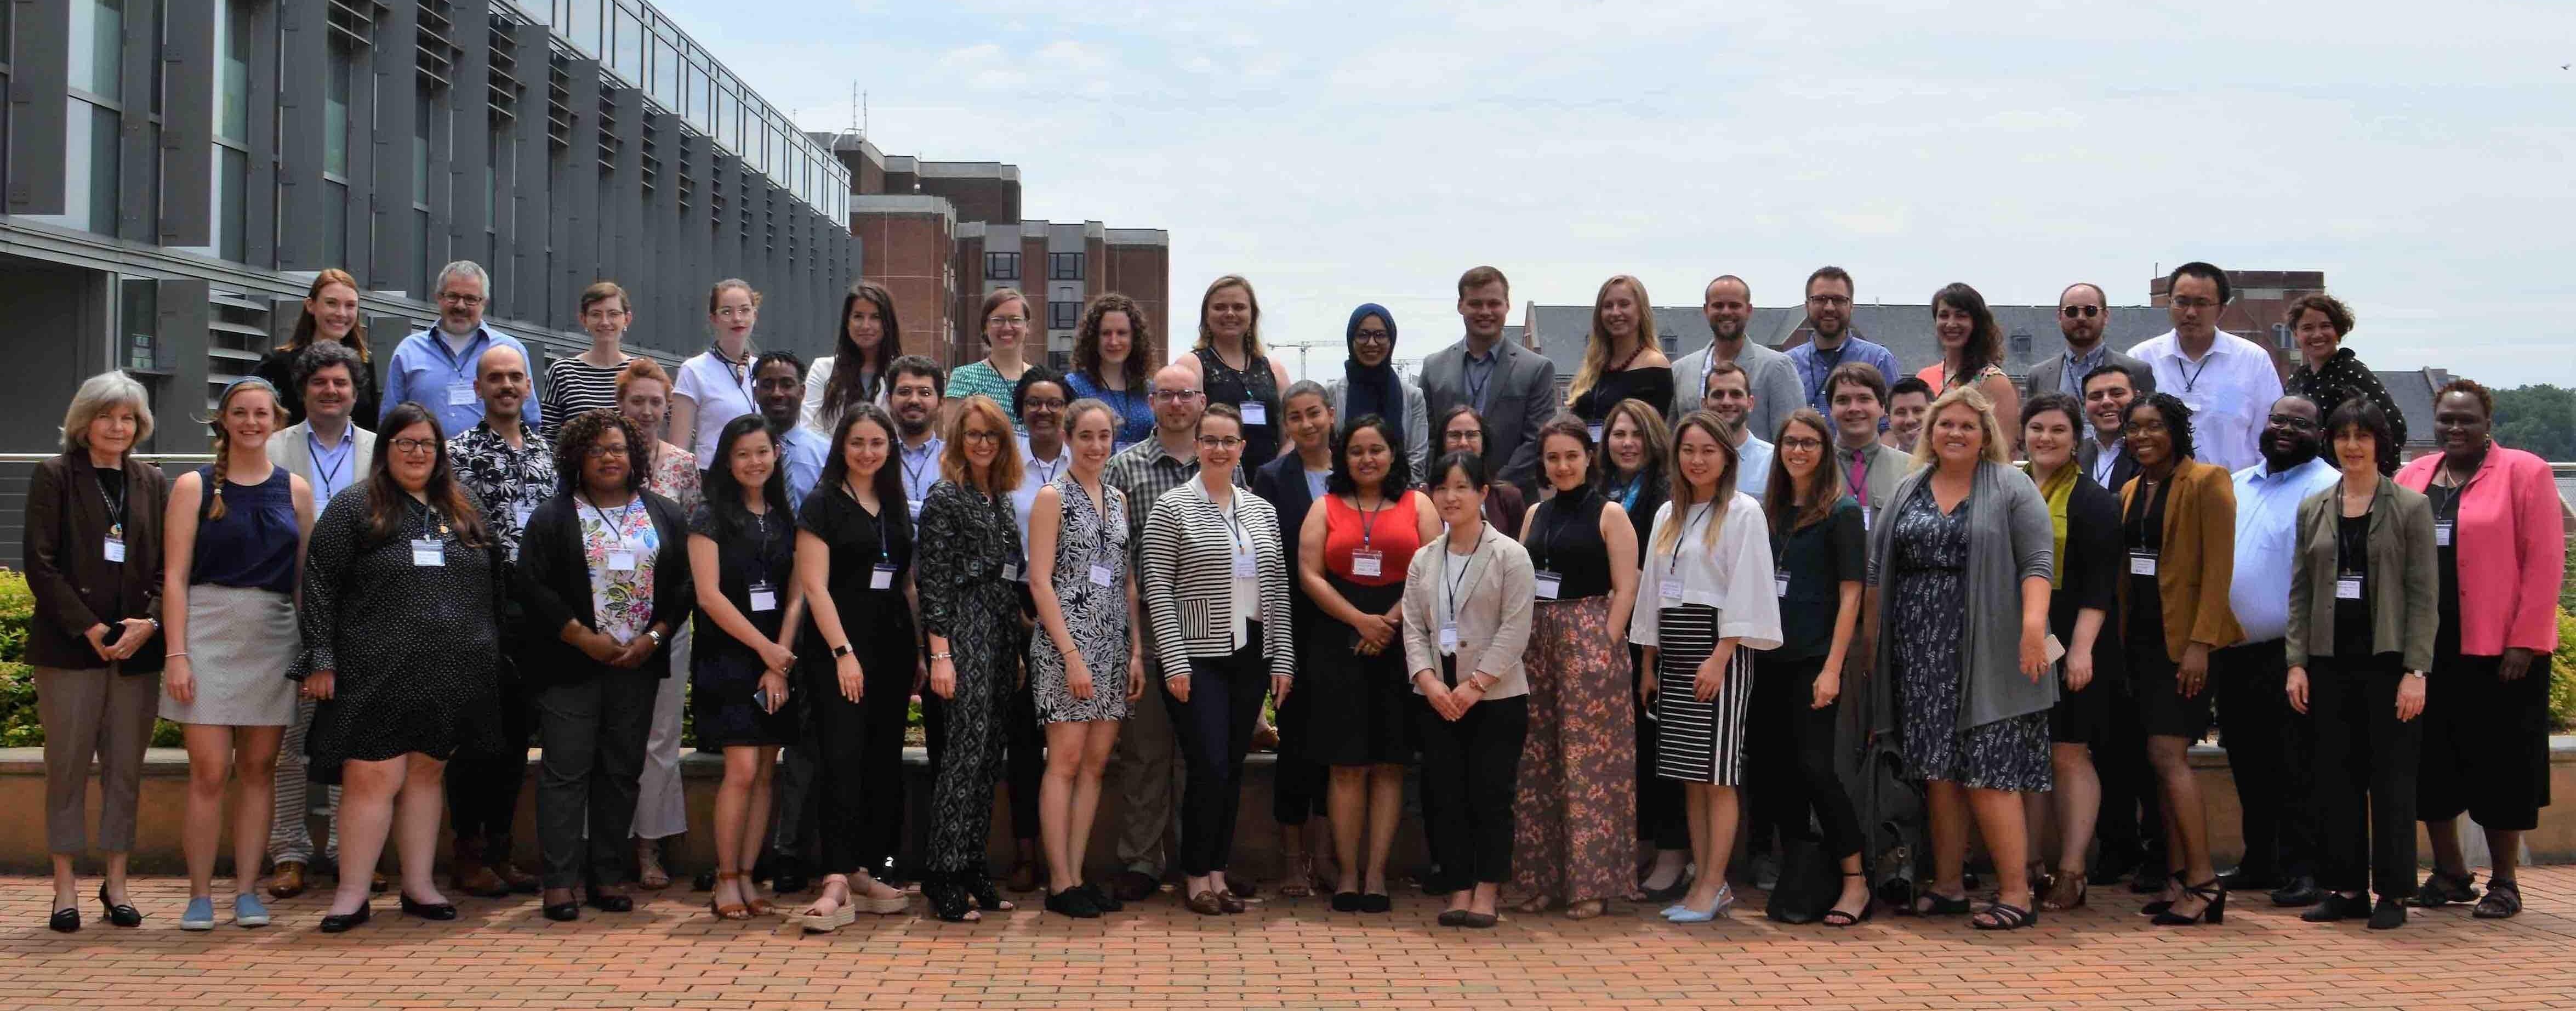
pixel 778 385
pixel 1829 303
pixel 1727 393
pixel 2265 739
pixel 435 367
pixel 913 388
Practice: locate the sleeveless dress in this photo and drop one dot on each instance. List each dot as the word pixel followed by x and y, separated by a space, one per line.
pixel 241 606
pixel 1254 384
pixel 1360 709
pixel 1094 615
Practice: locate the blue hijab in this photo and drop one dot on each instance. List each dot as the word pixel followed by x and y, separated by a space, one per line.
pixel 1373 389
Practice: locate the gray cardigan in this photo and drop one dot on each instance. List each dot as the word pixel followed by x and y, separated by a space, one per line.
pixel 2009 540
pixel 2404 610
pixel 1495 596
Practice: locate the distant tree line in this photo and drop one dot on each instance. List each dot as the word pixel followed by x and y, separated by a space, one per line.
pixel 2538 419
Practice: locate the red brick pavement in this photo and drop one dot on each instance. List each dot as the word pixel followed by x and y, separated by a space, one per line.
pixel 669 953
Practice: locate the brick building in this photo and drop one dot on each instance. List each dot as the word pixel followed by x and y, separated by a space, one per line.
pixel 939 235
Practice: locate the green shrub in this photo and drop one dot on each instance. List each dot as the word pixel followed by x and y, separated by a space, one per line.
pixel 17 609
pixel 18 726
pixel 2562 683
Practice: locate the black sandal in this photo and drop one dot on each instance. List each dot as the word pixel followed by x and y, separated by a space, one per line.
pixel 1937 904
pixel 2502 901
pixel 1838 918
pixel 1998 916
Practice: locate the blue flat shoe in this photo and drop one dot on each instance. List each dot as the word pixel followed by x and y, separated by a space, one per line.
pixel 248 912
pixel 200 915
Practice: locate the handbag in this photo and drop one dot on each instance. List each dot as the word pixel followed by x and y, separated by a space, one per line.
pixel 1810 882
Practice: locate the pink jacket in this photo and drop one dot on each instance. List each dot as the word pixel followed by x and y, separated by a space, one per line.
pixel 2512 551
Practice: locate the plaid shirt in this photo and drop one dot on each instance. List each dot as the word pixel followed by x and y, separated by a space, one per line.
pixel 510 483
pixel 1143 472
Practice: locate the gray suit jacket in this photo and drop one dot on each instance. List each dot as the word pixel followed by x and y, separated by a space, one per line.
pixel 289 449
pixel 1520 402
pixel 2044 377
pixel 1776 390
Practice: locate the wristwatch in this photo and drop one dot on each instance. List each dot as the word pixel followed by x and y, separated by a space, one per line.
pixel 840 651
pixel 943 656
pixel 655 636
pixel 2415 674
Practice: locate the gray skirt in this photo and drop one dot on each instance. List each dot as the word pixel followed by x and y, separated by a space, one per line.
pixel 240 641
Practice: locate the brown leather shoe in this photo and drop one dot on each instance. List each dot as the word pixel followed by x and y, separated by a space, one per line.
pixel 1230 903
pixel 287 881
pixel 469 875
pixel 519 881
pixel 1206 904
pixel 1133 886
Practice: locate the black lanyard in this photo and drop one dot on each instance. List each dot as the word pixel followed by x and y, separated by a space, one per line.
pixel 616 527
pixel 2191 382
pixel 1675 567
pixel 1368 518
pixel 1461 578
pixel 115 505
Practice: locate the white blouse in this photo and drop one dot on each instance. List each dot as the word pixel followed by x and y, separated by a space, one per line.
pixel 1734 577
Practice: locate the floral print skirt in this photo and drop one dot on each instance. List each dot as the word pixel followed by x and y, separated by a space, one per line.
pixel 1574 814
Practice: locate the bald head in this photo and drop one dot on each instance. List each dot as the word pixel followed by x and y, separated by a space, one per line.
pixel 2082 315
pixel 1177 417
pixel 501 380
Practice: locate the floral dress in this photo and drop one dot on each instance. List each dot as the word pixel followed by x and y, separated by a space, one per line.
pixel 1095 615
pixel 1928 609
pixel 674 475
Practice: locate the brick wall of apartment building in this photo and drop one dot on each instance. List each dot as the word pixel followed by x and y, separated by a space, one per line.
pixel 909 255
pixel 1144 273
pixel 985 198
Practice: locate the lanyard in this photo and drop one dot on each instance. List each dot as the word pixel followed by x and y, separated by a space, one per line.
pixel 2192 379
pixel 2107 460
pixel 1628 491
pixel 1233 526
pixel 884 554
pixel 328 479
pixel 1674 567
pixel 1856 477
pixel 1461 578
pixel 1047 472
pixel 1368 519
pixel 1476 391
pixel 115 506
pixel 911 470
pixel 617 527
pixel 1820 368
pixel 740 371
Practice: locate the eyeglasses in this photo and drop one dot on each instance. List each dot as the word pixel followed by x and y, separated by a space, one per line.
pixel 1458 437
pixel 459 298
pixel 1801 443
pixel 1041 404
pixel 2086 311
pixel 2293 421
pixel 1006 321
pixel 605 451
pixel 409 446
pixel 1828 301
pixel 1176 396
pixel 2146 425
pixel 1373 337
pixel 1225 442
pixel 980 435
pixel 2195 303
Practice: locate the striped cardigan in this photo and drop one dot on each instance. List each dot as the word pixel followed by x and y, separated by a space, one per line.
pixel 1185 576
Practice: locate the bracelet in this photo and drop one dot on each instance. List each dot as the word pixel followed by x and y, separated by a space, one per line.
pixel 943 656
pixel 174 656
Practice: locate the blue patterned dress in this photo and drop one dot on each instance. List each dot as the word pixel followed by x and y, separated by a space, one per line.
pixel 1928 612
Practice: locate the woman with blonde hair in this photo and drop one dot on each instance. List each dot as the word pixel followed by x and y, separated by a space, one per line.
pixel 967 568
pixel 714 386
pixel 235 532
pixel 1620 358
pixel 331 313
pixel 1227 363
pixel 93 565
pixel 1959 580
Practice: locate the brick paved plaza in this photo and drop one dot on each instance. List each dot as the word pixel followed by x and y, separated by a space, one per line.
pixel 669 953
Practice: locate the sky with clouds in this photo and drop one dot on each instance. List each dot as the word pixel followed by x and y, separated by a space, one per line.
pixel 1340 153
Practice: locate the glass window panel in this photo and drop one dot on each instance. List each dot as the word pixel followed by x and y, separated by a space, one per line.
pixel 139 314
pixel 582 26
pixel 232 192
pixel 103 165
pixel 335 226
pixel 97 58
pixel 232 121
pixel 335 111
pixel 629 58
pixel 423 113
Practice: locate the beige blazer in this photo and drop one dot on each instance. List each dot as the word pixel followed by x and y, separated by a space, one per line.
pixel 290 449
pixel 1495 595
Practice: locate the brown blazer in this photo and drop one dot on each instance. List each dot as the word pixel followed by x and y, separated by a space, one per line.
pixel 75 586
pixel 2198 563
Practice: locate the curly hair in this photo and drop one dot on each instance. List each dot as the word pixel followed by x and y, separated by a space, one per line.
pixel 1086 341
pixel 2177 417
pixel 2471 389
pixel 2338 315
pixel 572 447
pixel 1399 468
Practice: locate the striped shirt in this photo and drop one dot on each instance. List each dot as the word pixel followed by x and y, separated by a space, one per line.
pixel 1197 608
pixel 574 386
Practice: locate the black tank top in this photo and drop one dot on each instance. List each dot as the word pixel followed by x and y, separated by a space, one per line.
pixel 1564 537
pixel 1253 384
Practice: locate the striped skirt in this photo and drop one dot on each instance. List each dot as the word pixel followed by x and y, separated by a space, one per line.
pixel 1698 742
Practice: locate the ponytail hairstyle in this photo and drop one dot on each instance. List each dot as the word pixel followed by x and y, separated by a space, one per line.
pixel 224 436
pixel 385 496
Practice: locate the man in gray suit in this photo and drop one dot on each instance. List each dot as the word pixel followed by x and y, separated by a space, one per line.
pixel 332 455
pixel 2083 317
pixel 1512 387
pixel 1727 302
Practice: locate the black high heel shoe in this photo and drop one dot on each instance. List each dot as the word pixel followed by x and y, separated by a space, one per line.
pixel 947 897
pixel 340 923
pixel 118 913
pixel 64 921
pixel 2158 907
pixel 2214 913
pixel 979 887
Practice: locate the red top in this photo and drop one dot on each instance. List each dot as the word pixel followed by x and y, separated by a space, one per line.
pixel 1391 531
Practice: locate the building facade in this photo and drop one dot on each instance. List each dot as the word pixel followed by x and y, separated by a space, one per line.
pixel 941 235
pixel 176 171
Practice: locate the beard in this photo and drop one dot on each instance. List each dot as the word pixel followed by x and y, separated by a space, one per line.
pixel 2298 452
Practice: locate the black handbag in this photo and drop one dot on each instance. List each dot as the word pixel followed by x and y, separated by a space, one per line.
pixel 1810 882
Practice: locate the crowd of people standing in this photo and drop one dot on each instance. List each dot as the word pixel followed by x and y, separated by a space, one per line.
pixel 1592 641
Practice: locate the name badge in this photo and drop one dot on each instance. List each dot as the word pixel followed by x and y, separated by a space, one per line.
pixel 1245 567
pixel 2442 534
pixel 1011 571
pixel 1864 518
pixel 621 559
pixel 1595 429
pixel 1448 638
pixel 1780 584
pixel 1100 575
pixel 1367 564
pixel 882 578
pixel 1548 583
pixel 460 394
pixel 425 551
pixel 521 514
pixel 1673 588
pixel 764 597
pixel 913 506
pixel 2348 588
pixel 1255 412
pixel 114 548
pixel 2142 563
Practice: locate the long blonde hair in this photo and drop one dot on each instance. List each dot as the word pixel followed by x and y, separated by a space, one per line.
pixel 224 436
pixel 1996 449
pixel 1251 329
pixel 1596 345
pixel 1668 535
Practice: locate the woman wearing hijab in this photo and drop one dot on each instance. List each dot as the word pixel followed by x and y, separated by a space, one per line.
pixel 1370 385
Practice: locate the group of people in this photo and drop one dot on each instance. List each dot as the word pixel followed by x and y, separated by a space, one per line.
pixel 1583 622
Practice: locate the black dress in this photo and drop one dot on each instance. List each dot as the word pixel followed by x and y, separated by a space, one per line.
pixel 1253 384
pixel 2092 568
pixel 759 553
pixel 2153 673
pixel 415 649
pixel 1650 383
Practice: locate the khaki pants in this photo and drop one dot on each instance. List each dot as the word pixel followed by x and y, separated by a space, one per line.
pixel 1146 775
pixel 94 712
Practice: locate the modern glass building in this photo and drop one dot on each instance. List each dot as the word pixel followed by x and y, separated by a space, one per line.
pixel 175 171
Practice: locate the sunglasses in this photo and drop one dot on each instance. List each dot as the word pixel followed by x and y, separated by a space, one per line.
pixel 2086 311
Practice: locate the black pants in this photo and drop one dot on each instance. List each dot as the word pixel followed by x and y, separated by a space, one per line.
pixel 2131 825
pixel 858 757
pixel 1789 751
pixel 1297 783
pixel 1663 816
pixel 1470 771
pixel 796 792
pixel 594 731
pixel 2268 752
pixel 1023 748
pixel 1215 729
pixel 2365 758
pixel 483 790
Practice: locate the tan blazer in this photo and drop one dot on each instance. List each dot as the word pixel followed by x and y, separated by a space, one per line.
pixel 289 449
pixel 2198 564
pixel 1495 595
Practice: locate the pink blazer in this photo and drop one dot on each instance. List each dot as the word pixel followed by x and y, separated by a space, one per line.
pixel 2512 551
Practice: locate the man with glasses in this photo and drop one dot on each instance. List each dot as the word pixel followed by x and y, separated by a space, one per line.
pixel 436 366
pixel 1727 304
pixel 1145 770
pixel 1829 307
pixel 510 470
pixel 2225 379
pixel 2082 318
pixel 1513 388
pixel 2266 740
pixel 1727 393
pixel 778 389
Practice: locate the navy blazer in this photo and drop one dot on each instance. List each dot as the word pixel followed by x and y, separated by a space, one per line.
pixel 1282 483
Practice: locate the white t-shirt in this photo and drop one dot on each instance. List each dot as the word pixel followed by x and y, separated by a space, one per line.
pixel 1033 476
pixel 711 383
